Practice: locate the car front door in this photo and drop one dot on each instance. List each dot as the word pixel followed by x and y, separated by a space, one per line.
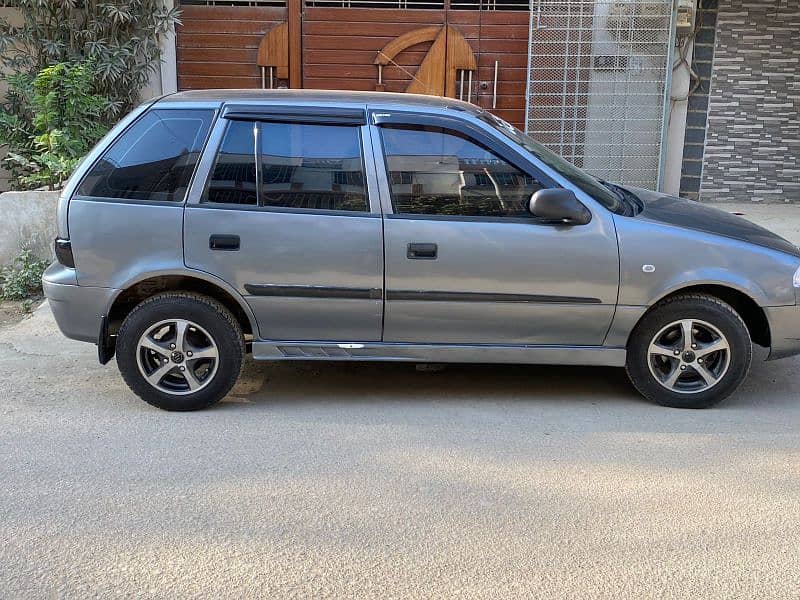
pixel 285 217
pixel 465 262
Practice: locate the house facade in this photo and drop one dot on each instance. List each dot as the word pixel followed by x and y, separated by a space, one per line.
pixel 692 97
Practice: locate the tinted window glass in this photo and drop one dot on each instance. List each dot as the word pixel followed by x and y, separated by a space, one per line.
pixel 233 178
pixel 441 172
pixel 153 160
pixel 592 186
pixel 312 166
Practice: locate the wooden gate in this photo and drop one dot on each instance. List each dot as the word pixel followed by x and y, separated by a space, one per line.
pixel 217 46
pixel 339 47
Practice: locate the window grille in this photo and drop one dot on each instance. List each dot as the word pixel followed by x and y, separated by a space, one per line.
pixel 598 84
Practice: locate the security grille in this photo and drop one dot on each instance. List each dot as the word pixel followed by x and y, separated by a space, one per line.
pixel 598 84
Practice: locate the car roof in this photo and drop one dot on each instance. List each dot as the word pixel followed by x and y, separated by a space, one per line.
pixel 336 97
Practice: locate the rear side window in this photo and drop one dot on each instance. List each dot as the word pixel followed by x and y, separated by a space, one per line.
pixel 152 160
pixel 290 165
pixel 233 178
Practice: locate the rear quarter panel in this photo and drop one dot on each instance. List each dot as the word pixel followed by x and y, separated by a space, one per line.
pixel 117 242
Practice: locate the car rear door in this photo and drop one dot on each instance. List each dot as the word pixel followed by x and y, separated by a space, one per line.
pixel 465 262
pixel 287 213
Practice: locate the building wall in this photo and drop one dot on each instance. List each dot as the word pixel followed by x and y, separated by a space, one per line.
pixel 752 143
pixel 12 15
pixel 697 101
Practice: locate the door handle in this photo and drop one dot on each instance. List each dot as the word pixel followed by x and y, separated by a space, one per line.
pixel 422 251
pixel 223 242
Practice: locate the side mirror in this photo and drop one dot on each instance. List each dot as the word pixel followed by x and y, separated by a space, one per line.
pixel 558 205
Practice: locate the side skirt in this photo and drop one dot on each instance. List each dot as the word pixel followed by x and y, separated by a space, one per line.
pixel 444 353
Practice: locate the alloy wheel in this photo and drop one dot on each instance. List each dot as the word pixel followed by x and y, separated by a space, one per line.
pixel 689 356
pixel 177 356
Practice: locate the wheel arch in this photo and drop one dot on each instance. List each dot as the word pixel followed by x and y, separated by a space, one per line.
pixel 139 289
pixel 743 303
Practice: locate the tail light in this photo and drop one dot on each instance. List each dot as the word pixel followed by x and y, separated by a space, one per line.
pixel 63 249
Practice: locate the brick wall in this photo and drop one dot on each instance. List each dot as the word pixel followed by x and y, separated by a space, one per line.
pixel 752 142
pixel 697 109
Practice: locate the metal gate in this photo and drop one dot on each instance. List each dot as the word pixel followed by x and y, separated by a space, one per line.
pixel 598 84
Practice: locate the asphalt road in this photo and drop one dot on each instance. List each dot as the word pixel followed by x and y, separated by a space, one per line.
pixel 371 480
pixel 368 480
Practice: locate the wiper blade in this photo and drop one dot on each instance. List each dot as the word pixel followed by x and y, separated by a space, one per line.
pixel 628 197
pixel 615 189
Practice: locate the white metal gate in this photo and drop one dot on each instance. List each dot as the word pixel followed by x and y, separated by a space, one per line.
pixel 598 84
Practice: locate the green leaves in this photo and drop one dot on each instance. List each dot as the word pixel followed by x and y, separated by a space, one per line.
pixel 90 60
pixel 118 14
pixel 56 121
pixel 120 37
pixel 23 277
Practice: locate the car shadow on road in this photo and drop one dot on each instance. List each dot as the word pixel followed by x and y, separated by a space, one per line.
pixel 272 383
pixel 356 382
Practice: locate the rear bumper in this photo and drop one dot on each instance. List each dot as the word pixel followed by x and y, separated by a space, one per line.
pixel 78 310
pixel 784 326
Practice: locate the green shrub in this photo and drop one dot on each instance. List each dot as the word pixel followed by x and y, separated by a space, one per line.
pixel 121 38
pixel 22 279
pixel 55 121
pixel 107 49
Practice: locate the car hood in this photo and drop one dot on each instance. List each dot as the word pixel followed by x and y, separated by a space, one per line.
pixel 661 208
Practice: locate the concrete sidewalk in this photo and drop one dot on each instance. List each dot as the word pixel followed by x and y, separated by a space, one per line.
pixel 783 219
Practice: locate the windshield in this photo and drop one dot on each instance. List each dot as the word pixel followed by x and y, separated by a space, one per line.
pixel 608 195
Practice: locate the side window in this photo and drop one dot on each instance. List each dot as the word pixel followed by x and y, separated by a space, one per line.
pixel 433 171
pixel 233 178
pixel 312 166
pixel 153 159
pixel 317 167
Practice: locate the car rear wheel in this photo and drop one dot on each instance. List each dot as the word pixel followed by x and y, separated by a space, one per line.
pixel 689 351
pixel 180 351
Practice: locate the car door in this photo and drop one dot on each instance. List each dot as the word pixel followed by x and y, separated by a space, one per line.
pixel 465 262
pixel 285 216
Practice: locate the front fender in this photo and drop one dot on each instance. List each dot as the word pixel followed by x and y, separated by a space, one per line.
pixel 711 276
pixel 657 260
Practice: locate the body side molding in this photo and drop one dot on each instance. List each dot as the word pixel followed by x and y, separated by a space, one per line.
pixel 318 291
pixel 312 291
pixel 436 296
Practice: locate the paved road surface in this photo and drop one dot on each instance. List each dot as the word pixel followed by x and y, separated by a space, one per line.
pixel 367 480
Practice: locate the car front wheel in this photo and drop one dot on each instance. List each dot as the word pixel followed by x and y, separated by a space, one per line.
pixel 180 351
pixel 689 351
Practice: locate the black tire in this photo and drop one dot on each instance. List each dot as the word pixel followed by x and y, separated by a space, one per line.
pixel 207 313
pixel 643 368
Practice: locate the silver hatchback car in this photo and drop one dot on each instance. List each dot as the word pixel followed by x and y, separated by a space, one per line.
pixel 302 225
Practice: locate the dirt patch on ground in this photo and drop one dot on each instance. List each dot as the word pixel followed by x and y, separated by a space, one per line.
pixel 13 311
